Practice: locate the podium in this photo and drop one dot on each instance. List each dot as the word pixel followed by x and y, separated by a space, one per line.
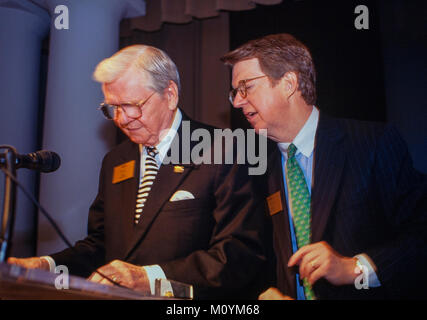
pixel 17 283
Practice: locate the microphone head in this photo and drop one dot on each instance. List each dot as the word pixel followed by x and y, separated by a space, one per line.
pixel 45 161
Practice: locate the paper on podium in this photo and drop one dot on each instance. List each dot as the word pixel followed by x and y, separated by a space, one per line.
pixel 173 289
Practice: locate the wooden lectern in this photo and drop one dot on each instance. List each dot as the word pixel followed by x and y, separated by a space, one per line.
pixel 18 283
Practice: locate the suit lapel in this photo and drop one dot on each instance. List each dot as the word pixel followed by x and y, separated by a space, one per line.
pixel 165 184
pixel 329 160
pixel 275 184
pixel 281 234
pixel 127 197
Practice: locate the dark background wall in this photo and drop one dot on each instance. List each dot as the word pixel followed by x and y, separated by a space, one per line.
pixel 377 74
pixel 404 44
pixel 348 61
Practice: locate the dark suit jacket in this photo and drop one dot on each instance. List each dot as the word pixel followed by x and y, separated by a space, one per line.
pixel 366 198
pixel 213 242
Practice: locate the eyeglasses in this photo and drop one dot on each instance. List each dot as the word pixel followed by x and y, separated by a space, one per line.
pixel 112 111
pixel 242 89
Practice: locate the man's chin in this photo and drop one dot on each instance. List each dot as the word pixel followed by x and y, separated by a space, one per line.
pixel 146 141
pixel 260 130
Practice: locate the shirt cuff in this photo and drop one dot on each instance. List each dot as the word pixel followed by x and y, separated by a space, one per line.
pixel 51 262
pixel 371 268
pixel 154 272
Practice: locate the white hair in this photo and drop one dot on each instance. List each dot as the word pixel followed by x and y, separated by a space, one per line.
pixel 155 62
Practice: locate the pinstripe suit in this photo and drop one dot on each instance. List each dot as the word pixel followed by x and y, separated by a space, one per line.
pixel 366 197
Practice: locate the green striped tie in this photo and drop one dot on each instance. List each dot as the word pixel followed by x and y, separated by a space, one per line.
pixel 299 200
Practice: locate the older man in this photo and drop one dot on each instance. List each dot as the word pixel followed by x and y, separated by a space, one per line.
pixel 349 211
pixel 199 224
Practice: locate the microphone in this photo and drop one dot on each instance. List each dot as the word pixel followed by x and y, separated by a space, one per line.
pixel 43 160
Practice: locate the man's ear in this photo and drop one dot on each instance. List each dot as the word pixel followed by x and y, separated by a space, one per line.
pixel 172 95
pixel 290 83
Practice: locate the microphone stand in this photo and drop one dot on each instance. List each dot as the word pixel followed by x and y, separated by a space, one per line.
pixel 8 215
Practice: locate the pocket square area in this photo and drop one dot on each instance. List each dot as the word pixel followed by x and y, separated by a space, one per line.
pixel 181 195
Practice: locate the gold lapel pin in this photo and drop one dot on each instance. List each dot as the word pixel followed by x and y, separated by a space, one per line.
pixel 178 169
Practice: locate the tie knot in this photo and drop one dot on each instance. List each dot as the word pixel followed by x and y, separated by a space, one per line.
pixel 291 150
pixel 152 151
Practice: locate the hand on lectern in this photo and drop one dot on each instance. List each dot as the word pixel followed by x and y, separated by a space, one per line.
pixel 124 274
pixel 30 263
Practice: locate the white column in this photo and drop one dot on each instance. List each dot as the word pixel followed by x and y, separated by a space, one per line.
pixel 22 29
pixel 73 127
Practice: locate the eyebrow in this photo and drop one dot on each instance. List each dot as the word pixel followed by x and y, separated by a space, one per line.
pixel 238 83
pixel 120 104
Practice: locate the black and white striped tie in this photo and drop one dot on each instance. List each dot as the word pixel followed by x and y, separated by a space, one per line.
pixel 150 172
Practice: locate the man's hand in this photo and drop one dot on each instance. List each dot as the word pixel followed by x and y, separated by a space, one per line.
pixel 319 260
pixel 123 273
pixel 273 294
pixel 30 263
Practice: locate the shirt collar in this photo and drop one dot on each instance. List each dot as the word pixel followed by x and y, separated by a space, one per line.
pixel 164 144
pixel 304 141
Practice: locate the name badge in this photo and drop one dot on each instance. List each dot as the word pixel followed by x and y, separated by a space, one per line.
pixel 274 202
pixel 124 171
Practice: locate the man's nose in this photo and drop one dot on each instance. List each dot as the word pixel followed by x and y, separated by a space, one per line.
pixel 123 119
pixel 239 101
pixel 127 115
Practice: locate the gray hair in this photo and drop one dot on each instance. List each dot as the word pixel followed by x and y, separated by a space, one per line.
pixel 155 62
